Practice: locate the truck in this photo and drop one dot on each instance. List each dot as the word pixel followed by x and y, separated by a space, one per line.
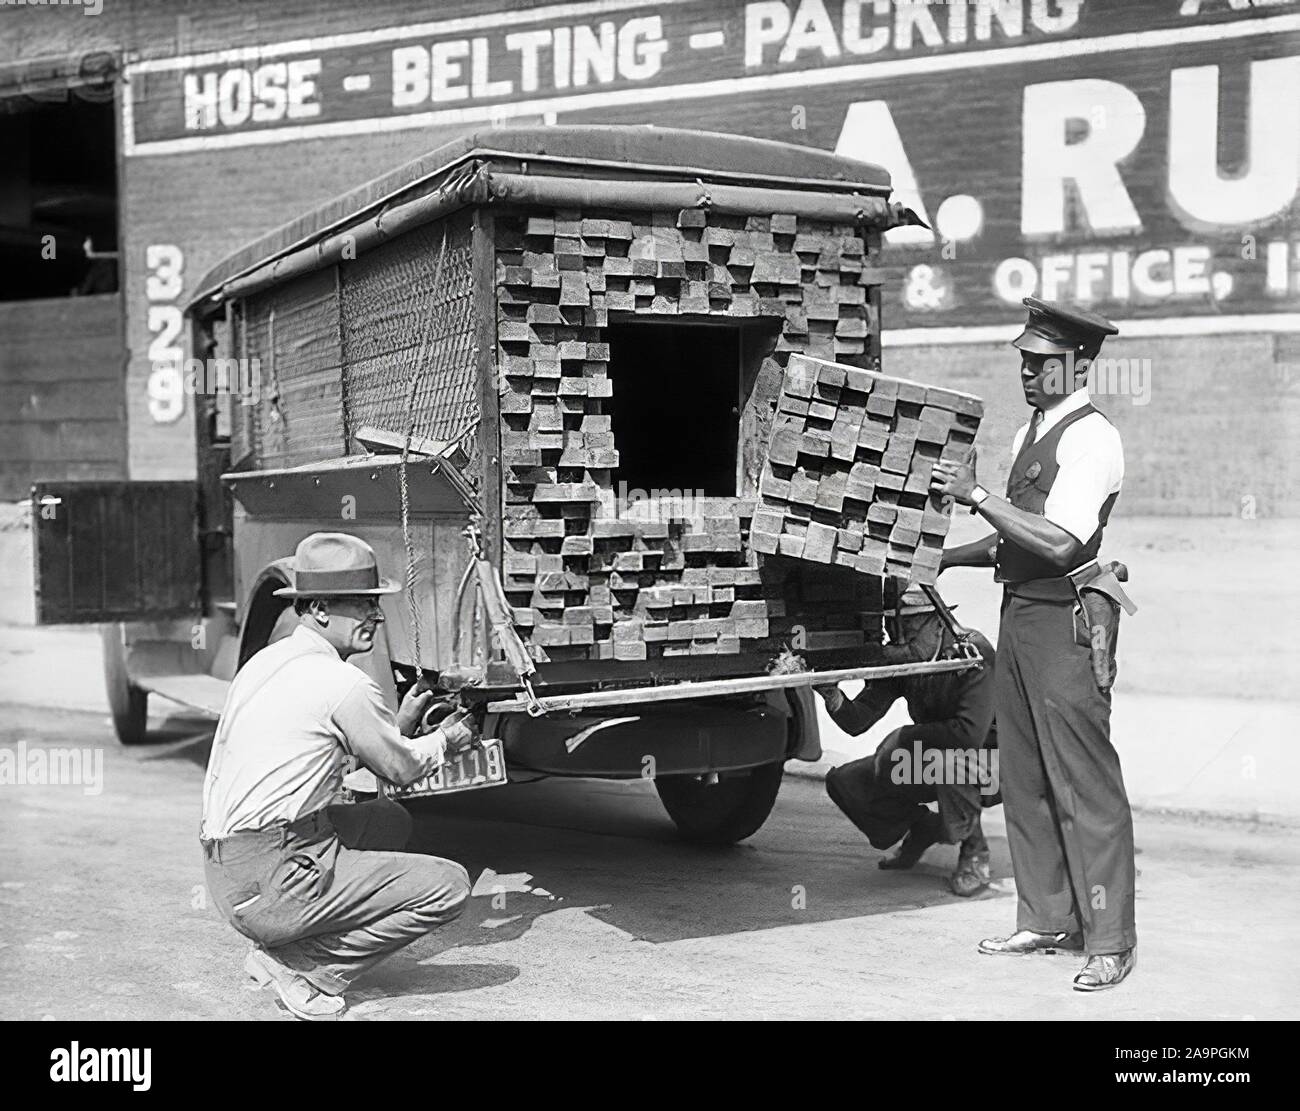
pixel 609 402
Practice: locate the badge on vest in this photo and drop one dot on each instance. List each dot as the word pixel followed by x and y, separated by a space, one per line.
pixel 1033 470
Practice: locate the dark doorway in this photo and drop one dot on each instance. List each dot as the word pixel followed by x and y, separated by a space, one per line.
pixel 58 196
pixel 675 405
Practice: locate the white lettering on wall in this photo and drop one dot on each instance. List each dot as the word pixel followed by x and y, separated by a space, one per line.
pixel 1198 190
pixel 267 94
pixel 1065 16
pixel 1159 274
pixel 812 31
pixel 910 18
pixel 766 24
pixel 164 282
pixel 1049 160
pixel 560 58
pixel 870 135
pixel 855 40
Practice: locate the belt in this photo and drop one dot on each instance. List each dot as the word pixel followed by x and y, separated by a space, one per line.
pixel 276 835
pixel 1059 588
pixel 1065 588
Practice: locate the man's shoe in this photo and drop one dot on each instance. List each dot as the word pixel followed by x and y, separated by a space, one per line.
pixel 924 833
pixel 1026 941
pixel 1106 970
pixel 972 875
pixel 297 994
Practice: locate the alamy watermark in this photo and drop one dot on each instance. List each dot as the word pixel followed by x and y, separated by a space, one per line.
pixel 1106 377
pixel 88 1064
pixel 240 378
pixel 54 767
pixel 658 505
pixel 957 767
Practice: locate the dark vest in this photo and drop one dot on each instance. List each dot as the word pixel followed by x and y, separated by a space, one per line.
pixel 1014 563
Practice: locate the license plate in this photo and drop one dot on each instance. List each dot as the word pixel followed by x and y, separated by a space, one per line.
pixel 483 765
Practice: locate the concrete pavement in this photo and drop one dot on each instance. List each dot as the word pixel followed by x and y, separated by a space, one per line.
pixel 589 907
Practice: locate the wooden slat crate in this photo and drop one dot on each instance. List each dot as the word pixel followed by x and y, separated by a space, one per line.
pixel 847 475
pixel 585 583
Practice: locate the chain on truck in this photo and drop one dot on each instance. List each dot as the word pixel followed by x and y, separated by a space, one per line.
pixel 489 364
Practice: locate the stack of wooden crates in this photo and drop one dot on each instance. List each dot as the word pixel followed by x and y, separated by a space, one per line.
pixel 843 453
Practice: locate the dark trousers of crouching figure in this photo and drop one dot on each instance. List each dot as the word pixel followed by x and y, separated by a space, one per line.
pixel 885 795
pixel 944 757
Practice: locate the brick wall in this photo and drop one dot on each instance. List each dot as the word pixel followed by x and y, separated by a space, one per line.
pixel 60 392
pixel 1214 438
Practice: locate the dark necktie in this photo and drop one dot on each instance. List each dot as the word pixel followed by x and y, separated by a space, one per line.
pixel 1025 445
pixel 1030 435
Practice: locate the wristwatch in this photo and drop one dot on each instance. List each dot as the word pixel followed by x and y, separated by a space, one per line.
pixel 977 496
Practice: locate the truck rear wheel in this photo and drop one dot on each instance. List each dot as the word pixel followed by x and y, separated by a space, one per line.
pixel 128 704
pixel 721 811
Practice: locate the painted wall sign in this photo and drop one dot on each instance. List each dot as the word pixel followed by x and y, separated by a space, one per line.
pixel 606 53
pixel 1143 157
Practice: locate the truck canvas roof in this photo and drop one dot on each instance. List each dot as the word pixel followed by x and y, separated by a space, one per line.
pixel 460 173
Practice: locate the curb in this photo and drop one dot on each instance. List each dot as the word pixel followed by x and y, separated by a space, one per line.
pixel 816 771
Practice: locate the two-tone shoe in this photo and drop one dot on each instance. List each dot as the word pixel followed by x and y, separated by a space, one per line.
pixel 297 995
pixel 1105 970
pixel 1024 942
pixel 972 875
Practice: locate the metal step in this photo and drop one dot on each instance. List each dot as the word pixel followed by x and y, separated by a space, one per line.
pixel 199 692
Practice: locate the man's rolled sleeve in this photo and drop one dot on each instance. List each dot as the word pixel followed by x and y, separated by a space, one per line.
pixel 371 735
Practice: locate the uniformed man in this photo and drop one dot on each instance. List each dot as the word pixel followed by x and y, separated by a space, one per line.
pixel 886 794
pixel 323 891
pixel 1069 826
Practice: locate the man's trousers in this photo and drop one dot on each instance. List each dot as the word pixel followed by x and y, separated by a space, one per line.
pixel 333 894
pixel 884 804
pixel 1068 821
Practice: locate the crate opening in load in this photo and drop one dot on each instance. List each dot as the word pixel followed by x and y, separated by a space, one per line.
pixel 675 405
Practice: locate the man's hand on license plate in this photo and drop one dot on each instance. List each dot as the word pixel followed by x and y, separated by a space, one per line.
pixel 458 731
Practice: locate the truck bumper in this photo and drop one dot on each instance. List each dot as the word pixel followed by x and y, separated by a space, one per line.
pixel 677 738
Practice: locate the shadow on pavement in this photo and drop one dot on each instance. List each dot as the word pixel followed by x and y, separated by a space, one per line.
pixel 179 736
pixel 403 975
pixel 609 847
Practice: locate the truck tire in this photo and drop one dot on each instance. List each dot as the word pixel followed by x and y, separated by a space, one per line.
pixel 128 704
pixel 725 811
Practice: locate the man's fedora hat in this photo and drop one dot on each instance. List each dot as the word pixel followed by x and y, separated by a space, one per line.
pixel 334 564
pixel 1056 329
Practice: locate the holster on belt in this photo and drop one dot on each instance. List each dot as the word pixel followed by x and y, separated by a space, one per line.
pixel 1101 597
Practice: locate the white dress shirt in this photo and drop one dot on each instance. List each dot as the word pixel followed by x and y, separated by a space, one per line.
pixel 293 715
pixel 1091 461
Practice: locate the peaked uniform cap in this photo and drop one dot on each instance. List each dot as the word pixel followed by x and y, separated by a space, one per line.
pixel 1057 329
pixel 336 564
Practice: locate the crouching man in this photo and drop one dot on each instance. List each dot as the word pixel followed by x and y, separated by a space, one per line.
pixel 323 891
pixel 942 757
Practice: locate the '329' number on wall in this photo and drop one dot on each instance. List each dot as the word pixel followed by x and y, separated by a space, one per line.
pixel 166 266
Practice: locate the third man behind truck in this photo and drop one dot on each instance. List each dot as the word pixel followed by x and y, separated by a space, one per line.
pixel 886 794
pixel 1069 827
